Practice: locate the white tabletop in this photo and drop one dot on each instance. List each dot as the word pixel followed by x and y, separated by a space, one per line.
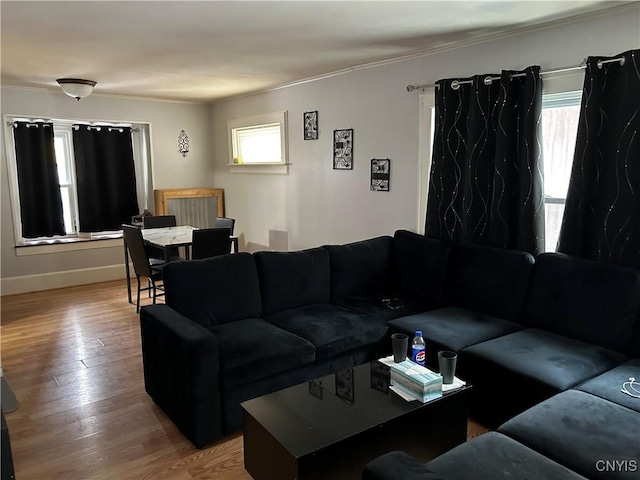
pixel 169 236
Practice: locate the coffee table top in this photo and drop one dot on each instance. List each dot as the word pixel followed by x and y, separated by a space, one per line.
pixel 310 416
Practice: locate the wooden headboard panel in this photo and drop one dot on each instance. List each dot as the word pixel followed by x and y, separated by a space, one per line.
pixel 160 197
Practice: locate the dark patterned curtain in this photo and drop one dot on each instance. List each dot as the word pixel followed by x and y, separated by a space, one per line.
pixel 38 184
pixel 602 214
pixel 106 177
pixel 486 184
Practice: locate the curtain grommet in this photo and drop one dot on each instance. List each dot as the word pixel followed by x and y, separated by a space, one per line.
pixel 601 63
pixel 488 80
pixel 455 85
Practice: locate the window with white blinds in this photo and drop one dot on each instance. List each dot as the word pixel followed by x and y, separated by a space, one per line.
pixel 259 141
pixel 259 144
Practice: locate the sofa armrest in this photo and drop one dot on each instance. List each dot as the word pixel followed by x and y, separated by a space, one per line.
pixel 180 360
pixel 397 466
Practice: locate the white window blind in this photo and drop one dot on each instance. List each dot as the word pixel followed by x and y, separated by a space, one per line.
pixel 258 144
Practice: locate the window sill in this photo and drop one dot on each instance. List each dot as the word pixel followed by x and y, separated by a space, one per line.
pixel 39 247
pixel 280 168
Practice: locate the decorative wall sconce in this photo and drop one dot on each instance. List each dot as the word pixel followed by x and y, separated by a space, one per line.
pixel 76 87
pixel 183 143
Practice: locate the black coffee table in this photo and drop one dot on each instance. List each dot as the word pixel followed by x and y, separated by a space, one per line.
pixel 331 427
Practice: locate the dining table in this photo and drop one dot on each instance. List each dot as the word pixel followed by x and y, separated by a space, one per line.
pixel 168 238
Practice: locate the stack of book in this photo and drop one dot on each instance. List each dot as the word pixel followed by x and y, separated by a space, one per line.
pixel 415 380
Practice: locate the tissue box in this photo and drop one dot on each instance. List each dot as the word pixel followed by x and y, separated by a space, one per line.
pixel 415 380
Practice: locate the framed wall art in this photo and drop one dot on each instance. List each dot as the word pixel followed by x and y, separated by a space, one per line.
pixel 380 174
pixel 310 125
pixel 343 149
pixel 344 385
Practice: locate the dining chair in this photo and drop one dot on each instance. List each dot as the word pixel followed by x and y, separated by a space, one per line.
pixel 143 265
pixel 210 242
pixel 225 222
pixel 160 221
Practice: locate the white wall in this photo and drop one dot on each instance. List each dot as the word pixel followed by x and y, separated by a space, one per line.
pixel 315 204
pixel 170 170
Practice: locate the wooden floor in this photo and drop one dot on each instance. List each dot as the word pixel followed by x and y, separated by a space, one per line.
pixel 72 357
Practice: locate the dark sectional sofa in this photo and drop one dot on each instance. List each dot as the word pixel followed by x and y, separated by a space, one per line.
pixel 590 431
pixel 527 331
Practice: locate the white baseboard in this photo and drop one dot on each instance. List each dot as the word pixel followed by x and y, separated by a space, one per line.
pixel 68 278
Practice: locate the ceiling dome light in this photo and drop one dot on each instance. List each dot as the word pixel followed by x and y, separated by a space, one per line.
pixel 76 87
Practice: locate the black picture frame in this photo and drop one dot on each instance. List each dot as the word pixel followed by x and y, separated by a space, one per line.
pixel 343 149
pixel 345 385
pixel 380 376
pixel 315 388
pixel 380 174
pixel 310 125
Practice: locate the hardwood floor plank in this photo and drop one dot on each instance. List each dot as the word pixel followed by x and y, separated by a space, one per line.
pixel 73 359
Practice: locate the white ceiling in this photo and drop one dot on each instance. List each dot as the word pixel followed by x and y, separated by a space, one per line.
pixel 204 51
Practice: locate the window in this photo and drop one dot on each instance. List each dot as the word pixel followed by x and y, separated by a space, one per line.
pixel 560 116
pixel 65 159
pixel 259 143
pixel 425 147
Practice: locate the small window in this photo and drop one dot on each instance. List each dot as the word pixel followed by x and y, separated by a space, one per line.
pixel 560 116
pixel 259 143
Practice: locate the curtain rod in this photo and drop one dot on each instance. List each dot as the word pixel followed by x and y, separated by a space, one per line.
pixel 14 124
pixel 76 126
pixel 488 80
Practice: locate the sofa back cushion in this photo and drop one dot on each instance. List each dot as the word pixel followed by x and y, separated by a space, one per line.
pixel 214 291
pixel 493 281
pixel 595 302
pixel 360 267
pixel 419 266
pixel 293 279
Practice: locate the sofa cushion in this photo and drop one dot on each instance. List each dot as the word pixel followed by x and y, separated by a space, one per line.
pixel 590 301
pixel 331 329
pixel 359 267
pixel 587 434
pixel 543 357
pixel 493 281
pixel 252 349
pixel 214 291
pixel 383 306
pixel 398 466
pixel 419 267
pixel 609 385
pixel 514 372
pixel 493 456
pixel 453 328
pixel 293 279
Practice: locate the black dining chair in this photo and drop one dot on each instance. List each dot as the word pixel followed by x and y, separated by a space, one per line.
pixel 159 221
pixel 143 265
pixel 210 242
pixel 225 222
